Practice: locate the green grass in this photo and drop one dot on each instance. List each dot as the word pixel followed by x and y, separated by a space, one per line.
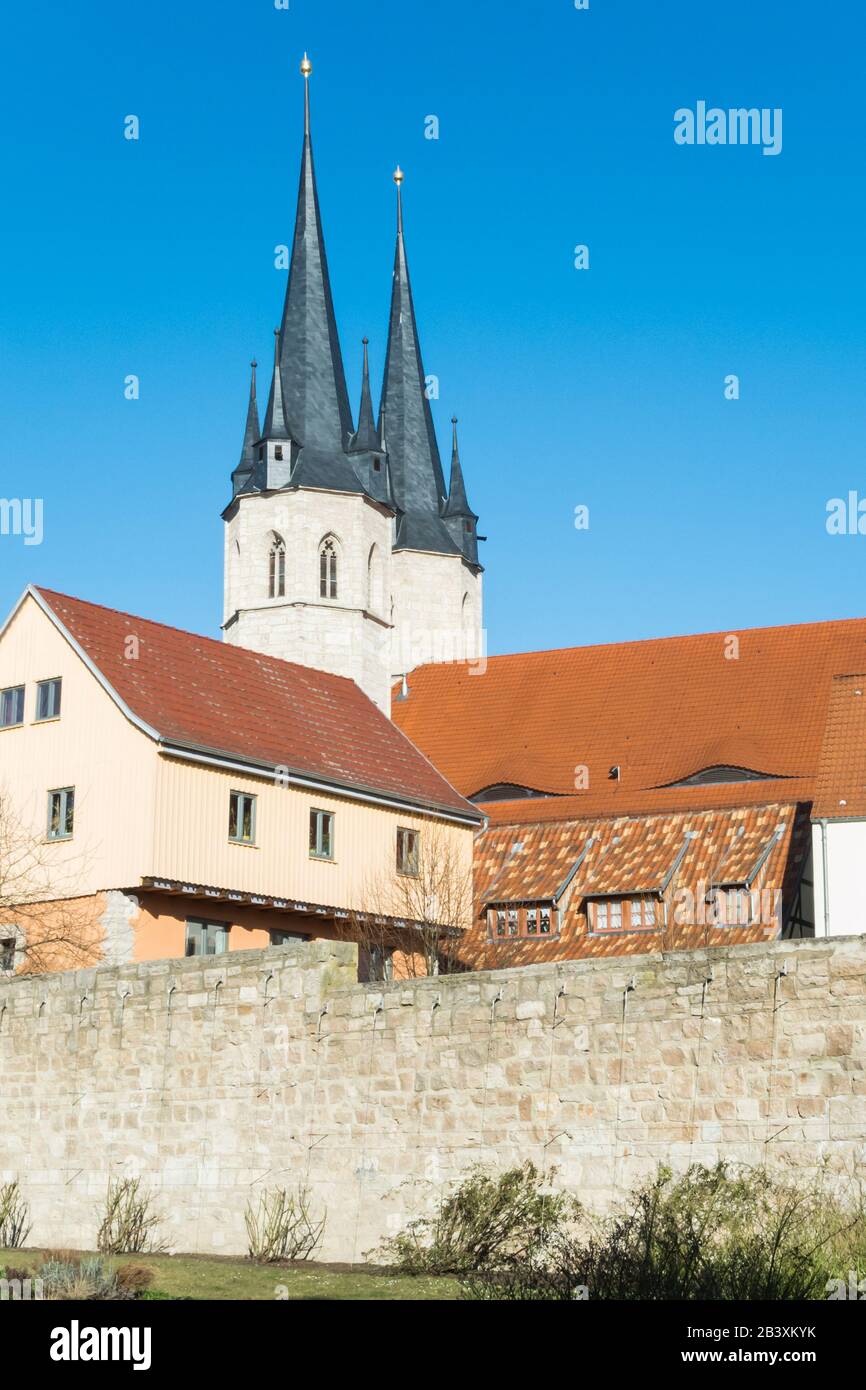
pixel 200 1277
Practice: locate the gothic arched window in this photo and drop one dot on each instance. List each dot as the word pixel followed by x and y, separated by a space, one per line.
pixel 277 568
pixel 374 581
pixel 328 568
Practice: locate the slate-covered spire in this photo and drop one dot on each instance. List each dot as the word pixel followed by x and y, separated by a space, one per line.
pixel 276 424
pixel 413 453
pixel 316 400
pixel 459 516
pixel 366 436
pixel 246 465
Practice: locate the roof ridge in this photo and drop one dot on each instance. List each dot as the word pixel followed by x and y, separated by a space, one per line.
pixel 670 637
pixel 609 817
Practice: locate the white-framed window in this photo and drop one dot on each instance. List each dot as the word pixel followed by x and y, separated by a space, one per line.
pixel 48 700
pixel 61 813
pixel 623 914
pixel 242 818
pixel 206 938
pixel 530 919
pixel 277 568
pixel 321 834
pixel 11 706
pixel 407 851
pixel 736 907
pixel 328 578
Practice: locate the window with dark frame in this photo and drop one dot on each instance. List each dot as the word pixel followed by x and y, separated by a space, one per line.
pixel 736 907
pixel 48 700
pixel 61 813
pixel 206 938
pixel 407 851
pixel 11 707
pixel 321 834
pixel 282 938
pixel 8 946
pixel 242 818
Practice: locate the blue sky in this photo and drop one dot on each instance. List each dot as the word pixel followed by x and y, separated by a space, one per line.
pixel 602 388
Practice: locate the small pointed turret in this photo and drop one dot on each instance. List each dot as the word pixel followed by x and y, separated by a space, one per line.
pixel 366 436
pixel 458 515
pixel 246 465
pixel 276 425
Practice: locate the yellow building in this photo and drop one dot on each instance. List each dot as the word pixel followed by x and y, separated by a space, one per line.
pixel 164 794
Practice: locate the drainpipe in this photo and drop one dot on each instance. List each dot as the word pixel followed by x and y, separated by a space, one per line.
pixel 823 824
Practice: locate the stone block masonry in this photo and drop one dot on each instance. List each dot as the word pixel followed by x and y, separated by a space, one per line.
pixel 214 1078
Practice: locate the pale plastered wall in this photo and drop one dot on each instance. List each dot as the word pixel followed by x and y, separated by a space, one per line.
pixel 92 747
pixel 846 856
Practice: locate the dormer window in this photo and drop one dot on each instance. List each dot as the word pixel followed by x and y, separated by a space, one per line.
pixel 377 465
pixel 278 452
pixel 622 914
pixel 261 452
pixel 516 920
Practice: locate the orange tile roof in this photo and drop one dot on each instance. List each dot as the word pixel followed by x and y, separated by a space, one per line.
pixel 661 710
pixel 764 847
pixel 841 782
pixel 215 697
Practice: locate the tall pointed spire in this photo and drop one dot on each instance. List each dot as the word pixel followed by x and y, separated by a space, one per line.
pixel 314 382
pixel 247 461
pixel 276 425
pixel 416 468
pixel 366 436
pixel 459 516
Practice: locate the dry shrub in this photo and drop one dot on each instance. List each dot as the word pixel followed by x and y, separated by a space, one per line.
pixel 130 1221
pixel 280 1227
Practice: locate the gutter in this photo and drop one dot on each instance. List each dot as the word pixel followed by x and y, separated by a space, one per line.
pixel 826 881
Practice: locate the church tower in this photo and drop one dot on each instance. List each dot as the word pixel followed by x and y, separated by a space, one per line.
pixel 343 550
pixel 436 580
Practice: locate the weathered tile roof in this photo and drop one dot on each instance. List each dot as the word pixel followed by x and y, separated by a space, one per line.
pixel 661 711
pixel 841 783
pixel 214 697
pixel 567 862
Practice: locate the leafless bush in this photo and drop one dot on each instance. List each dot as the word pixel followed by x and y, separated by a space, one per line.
pixel 129 1223
pixel 280 1227
pixel 14 1216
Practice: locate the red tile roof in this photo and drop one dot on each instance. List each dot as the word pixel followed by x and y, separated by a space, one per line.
pixel 524 862
pixel 841 782
pixel 216 697
pixel 660 710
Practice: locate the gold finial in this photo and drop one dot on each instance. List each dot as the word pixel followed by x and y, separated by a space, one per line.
pixel 398 176
pixel 306 66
